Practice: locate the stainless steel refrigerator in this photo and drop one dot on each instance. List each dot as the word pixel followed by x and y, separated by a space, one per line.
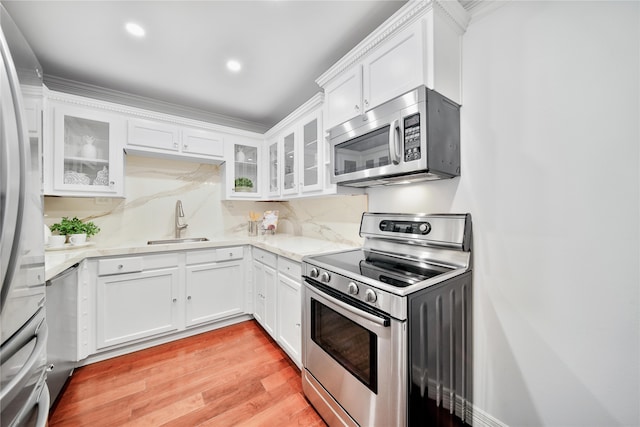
pixel 24 397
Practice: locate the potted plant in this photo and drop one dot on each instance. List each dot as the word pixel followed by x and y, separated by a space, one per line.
pixel 75 230
pixel 243 184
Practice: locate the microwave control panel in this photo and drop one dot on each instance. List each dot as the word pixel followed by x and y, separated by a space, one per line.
pixel 412 137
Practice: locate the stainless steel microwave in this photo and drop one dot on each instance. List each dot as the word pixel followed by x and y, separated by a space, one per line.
pixel 413 137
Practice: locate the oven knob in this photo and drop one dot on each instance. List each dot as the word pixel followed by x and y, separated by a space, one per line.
pixel 370 296
pixel 313 273
pixel 352 288
pixel 424 228
pixel 325 277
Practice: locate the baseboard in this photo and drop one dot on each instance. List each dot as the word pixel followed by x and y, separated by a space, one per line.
pixel 480 418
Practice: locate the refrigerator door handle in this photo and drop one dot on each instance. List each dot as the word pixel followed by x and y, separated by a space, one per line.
pixel 17 382
pixel 11 160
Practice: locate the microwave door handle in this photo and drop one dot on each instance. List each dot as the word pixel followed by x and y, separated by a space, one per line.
pixel 394 138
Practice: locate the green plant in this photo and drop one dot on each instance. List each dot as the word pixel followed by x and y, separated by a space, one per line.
pixel 68 226
pixel 244 182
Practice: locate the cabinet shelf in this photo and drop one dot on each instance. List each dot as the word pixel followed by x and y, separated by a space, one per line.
pixel 86 160
pixel 247 163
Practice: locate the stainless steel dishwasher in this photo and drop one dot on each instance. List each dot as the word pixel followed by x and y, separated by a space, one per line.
pixel 62 319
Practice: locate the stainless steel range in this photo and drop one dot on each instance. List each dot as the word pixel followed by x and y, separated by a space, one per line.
pixel 387 328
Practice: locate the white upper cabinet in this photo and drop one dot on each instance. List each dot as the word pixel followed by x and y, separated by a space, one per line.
pixel 393 68
pixel 343 97
pixel 295 151
pixel 273 168
pixel 147 137
pixel 290 177
pixel 311 153
pixel 86 157
pixel 419 45
pixel 242 169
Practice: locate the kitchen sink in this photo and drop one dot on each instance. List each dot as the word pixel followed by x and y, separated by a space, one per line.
pixel 185 240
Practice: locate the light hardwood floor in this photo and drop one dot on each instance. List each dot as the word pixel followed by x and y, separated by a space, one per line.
pixel 235 376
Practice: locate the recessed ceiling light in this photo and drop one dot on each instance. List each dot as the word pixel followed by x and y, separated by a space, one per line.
pixel 234 65
pixel 135 29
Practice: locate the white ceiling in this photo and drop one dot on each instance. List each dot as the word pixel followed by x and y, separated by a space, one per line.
pixel 283 45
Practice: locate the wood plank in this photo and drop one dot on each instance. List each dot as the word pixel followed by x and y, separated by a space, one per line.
pixel 233 375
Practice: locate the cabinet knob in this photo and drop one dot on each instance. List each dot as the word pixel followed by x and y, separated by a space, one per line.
pixel 112 183
pixel 366 103
pixel 298 325
pixel 356 107
pixel 175 145
pixel 185 146
pixel 189 297
pixel 120 266
pixel 175 300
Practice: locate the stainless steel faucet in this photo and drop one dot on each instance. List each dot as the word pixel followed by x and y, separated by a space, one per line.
pixel 179 214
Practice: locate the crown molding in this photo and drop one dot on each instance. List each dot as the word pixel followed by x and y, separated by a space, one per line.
pixel 309 106
pixel 405 16
pixel 73 87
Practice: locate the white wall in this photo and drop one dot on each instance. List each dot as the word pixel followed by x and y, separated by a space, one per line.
pixel 550 174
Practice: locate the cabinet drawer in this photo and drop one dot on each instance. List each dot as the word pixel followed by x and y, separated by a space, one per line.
pixel 120 265
pixel 201 257
pixel 290 268
pixel 264 257
pixel 227 254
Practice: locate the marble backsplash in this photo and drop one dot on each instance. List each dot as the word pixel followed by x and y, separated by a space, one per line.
pixel 153 186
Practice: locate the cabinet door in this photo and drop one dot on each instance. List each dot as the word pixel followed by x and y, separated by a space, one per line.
pixel 311 154
pixel 202 143
pixel 290 170
pixel 265 282
pixel 160 136
pixel 343 97
pixel 214 291
pixel 273 168
pixel 393 68
pixel 88 157
pixel 135 306
pixel 289 317
pixel 259 309
pixel 242 171
pixel 270 285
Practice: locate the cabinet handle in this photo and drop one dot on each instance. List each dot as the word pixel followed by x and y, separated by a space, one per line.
pixel 298 325
pixel 366 103
pixel 356 107
pixel 112 183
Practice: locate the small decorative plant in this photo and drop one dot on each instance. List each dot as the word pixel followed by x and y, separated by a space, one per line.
pixel 68 226
pixel 244 182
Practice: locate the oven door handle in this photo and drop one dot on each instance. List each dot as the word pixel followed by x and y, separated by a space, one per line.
pixel 382 321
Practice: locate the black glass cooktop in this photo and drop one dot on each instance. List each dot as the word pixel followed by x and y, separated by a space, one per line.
pixel 384 268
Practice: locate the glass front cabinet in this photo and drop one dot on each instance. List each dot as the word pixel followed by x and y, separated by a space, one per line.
pixel 88 157
pixel 242 170
pixel 273 169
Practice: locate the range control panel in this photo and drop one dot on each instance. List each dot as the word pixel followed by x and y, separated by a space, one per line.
pixel 409 227
pixel 412 137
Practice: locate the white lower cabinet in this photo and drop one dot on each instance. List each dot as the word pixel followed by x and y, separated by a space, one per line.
pixel 136 305
pixel 137 299
pixel 278 304
pixel 265 282
pixel 214 290
pixel 289 317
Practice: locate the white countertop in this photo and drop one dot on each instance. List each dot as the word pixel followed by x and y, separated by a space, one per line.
pixel 292 247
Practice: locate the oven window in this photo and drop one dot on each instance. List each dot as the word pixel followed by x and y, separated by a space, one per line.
pixel 351 345
pixel 365 152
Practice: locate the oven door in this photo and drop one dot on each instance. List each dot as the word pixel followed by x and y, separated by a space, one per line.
pixel 353 357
